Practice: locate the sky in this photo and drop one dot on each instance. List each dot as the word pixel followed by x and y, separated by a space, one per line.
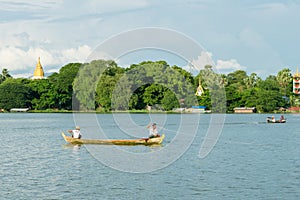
pixel 260 36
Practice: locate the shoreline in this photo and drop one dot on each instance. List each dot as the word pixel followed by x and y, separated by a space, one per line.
pixel 143 112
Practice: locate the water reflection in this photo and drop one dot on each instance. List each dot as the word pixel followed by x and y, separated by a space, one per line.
pixel 74 147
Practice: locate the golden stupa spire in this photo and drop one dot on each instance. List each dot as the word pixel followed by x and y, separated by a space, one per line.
pixel 297 73
pixel 200 90
pixel 38 72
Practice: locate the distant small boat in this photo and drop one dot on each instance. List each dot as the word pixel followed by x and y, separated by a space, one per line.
pixel 142 141
pixel 269 120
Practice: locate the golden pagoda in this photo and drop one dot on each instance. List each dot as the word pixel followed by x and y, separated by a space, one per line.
pixel 200 90
pixel 38 72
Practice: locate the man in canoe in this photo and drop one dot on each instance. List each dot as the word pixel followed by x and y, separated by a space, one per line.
pixel 153 130
pixel 75 133
pixel 273 119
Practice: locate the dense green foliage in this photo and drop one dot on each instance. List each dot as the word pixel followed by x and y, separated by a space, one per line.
pixel 15 94
pixel 152 84
pixel 103 85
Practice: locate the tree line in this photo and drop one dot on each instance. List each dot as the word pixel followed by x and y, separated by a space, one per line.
pixel 102 85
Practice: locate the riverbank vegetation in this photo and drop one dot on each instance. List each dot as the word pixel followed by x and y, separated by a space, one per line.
pixel 104 86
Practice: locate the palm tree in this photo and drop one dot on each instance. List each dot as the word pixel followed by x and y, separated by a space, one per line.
pixel 284 77
pixel 252 80
pixel 4 75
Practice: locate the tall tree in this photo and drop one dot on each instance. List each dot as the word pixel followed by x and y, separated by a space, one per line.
pixel 14 93
pixel 252 80
pixel 106 86
pixel 154 94
pixel 236 81
pixel 86 81
pixel 62 85
pixel 148 82
pixel 5 75
pixel 284 78
pixel 187 75
pixel 236 77
pixel 268 95
pixel 43 95
pixel 214 83
pixel 169 101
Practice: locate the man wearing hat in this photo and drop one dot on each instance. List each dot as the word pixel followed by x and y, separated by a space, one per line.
pixel 153 130
pixel 75 133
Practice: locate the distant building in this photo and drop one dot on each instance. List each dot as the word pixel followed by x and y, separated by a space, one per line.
pixel 38 72
pixel 197 109
pixel 296 83
pixel 244 110
pixel 294 109
pixel 19 109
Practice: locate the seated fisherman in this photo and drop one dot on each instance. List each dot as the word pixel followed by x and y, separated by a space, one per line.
pixel 75 133
pixel 153 131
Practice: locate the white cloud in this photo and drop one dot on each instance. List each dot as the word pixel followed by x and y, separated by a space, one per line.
pixel 79 54
pixel 205 58
pixel 222 66
pixel 228 65
pixel 17 59
pixel 58 30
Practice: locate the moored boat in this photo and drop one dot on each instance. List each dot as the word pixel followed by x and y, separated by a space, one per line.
pixel 269 120
pixel 142 141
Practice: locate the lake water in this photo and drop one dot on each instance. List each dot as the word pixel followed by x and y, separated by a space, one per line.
pixel 251 159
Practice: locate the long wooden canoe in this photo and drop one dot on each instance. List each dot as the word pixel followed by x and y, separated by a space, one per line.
pixel 142 141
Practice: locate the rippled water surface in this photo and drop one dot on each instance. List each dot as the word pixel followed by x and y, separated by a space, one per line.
pixel 251 160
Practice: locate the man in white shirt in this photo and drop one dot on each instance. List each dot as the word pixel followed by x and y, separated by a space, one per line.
pixel 75 133
pixel 153 131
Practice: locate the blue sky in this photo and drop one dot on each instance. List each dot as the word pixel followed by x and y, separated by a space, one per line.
pixel 255 36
